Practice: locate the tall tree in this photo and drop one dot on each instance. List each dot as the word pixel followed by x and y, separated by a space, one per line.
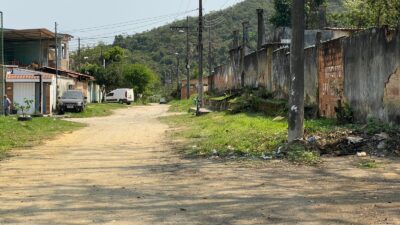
pixel 296 98
pixel 367 13
pixel 283 14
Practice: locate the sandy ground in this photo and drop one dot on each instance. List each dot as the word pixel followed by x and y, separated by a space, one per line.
pixel 121 170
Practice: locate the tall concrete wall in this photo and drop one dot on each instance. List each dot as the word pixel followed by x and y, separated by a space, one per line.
pixel 281 73
pixel 371 65
pixel 363 70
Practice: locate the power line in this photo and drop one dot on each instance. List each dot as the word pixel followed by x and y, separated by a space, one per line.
pixel 129 22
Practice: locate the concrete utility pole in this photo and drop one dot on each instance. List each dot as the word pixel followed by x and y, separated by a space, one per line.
pixel 177 75
pixel 187 60
pixel 79 53
pixel 2 75
pixel 180 29
pixel 296 97
pixel 200 48
pixel 210 63
pixel 56 52
pixel 244 51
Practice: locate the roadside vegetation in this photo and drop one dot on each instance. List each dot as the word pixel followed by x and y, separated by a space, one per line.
pixel 97 110
pixel 224 134
pixel 16 134
pixel 257 135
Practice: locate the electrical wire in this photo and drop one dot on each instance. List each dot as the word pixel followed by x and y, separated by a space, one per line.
pixel 129 22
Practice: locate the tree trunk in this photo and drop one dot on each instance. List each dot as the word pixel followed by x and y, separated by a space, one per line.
pixel 296 98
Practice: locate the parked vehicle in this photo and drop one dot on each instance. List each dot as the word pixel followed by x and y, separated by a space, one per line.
pixel 72 100
pixel 163 101
pixel 121 95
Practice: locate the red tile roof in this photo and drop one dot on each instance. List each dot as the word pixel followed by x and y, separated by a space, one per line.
pixel 28 77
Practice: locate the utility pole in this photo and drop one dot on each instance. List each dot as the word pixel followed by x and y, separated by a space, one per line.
pixel 210 64
pixel 200 48
pixel 79 53
pixel 296 97
pixel 2 80
pixel 187 60
pixel 180 29
pixel 177 75
pixel 56 52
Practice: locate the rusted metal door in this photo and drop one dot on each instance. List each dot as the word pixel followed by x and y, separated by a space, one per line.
pixel 331 77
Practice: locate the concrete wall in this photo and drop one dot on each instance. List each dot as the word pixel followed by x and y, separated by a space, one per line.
pixel 281 73
pixel 363 70
pixel 371 65
pixel 310 77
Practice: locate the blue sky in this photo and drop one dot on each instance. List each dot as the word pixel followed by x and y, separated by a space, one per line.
pixel 104 18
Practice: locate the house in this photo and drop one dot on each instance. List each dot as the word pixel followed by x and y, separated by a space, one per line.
pixel 35 48
pixel 30 55
pixel 26 84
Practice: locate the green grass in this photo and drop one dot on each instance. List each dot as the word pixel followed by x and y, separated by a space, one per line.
pixel 181 105
pixel 299 154
pixel 367 164
pixel 244 134
pixel 15 134
pixel 97 110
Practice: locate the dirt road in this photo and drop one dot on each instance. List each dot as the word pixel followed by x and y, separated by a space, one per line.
pixel 121 170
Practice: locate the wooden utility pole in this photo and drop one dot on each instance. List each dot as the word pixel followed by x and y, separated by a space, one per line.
pixel 200 48
pixel 296 97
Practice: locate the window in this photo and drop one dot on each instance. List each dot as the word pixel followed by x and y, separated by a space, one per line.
pixel 110 95
pixel 70 87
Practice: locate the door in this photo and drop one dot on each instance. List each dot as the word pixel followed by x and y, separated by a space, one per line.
pixel 24 91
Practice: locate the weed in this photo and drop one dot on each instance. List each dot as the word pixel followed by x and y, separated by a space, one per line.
pixel 367 164
pixel 299 154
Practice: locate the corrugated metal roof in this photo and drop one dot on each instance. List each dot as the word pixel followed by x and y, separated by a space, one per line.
pixel 31 34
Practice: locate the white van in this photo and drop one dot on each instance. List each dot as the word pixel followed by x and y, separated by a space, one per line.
pixel 121 95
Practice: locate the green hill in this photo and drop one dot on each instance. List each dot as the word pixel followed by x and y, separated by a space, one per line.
pixel 156 48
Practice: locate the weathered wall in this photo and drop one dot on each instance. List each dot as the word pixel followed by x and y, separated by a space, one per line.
pixel 310 77
pixel 281 73
pixel 330 77
pixel 363 70
pixel 371 65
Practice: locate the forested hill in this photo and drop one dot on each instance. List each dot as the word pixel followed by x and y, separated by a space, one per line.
pixel 157 47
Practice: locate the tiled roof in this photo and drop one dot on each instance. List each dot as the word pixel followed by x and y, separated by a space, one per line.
pixel 28 77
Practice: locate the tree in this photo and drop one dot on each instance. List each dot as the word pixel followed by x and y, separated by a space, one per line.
pixel 367 13
pixel 140 77
pixel 296 97
pixel 282 15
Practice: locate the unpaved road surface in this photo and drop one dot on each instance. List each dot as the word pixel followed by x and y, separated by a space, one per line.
pixel 121 170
